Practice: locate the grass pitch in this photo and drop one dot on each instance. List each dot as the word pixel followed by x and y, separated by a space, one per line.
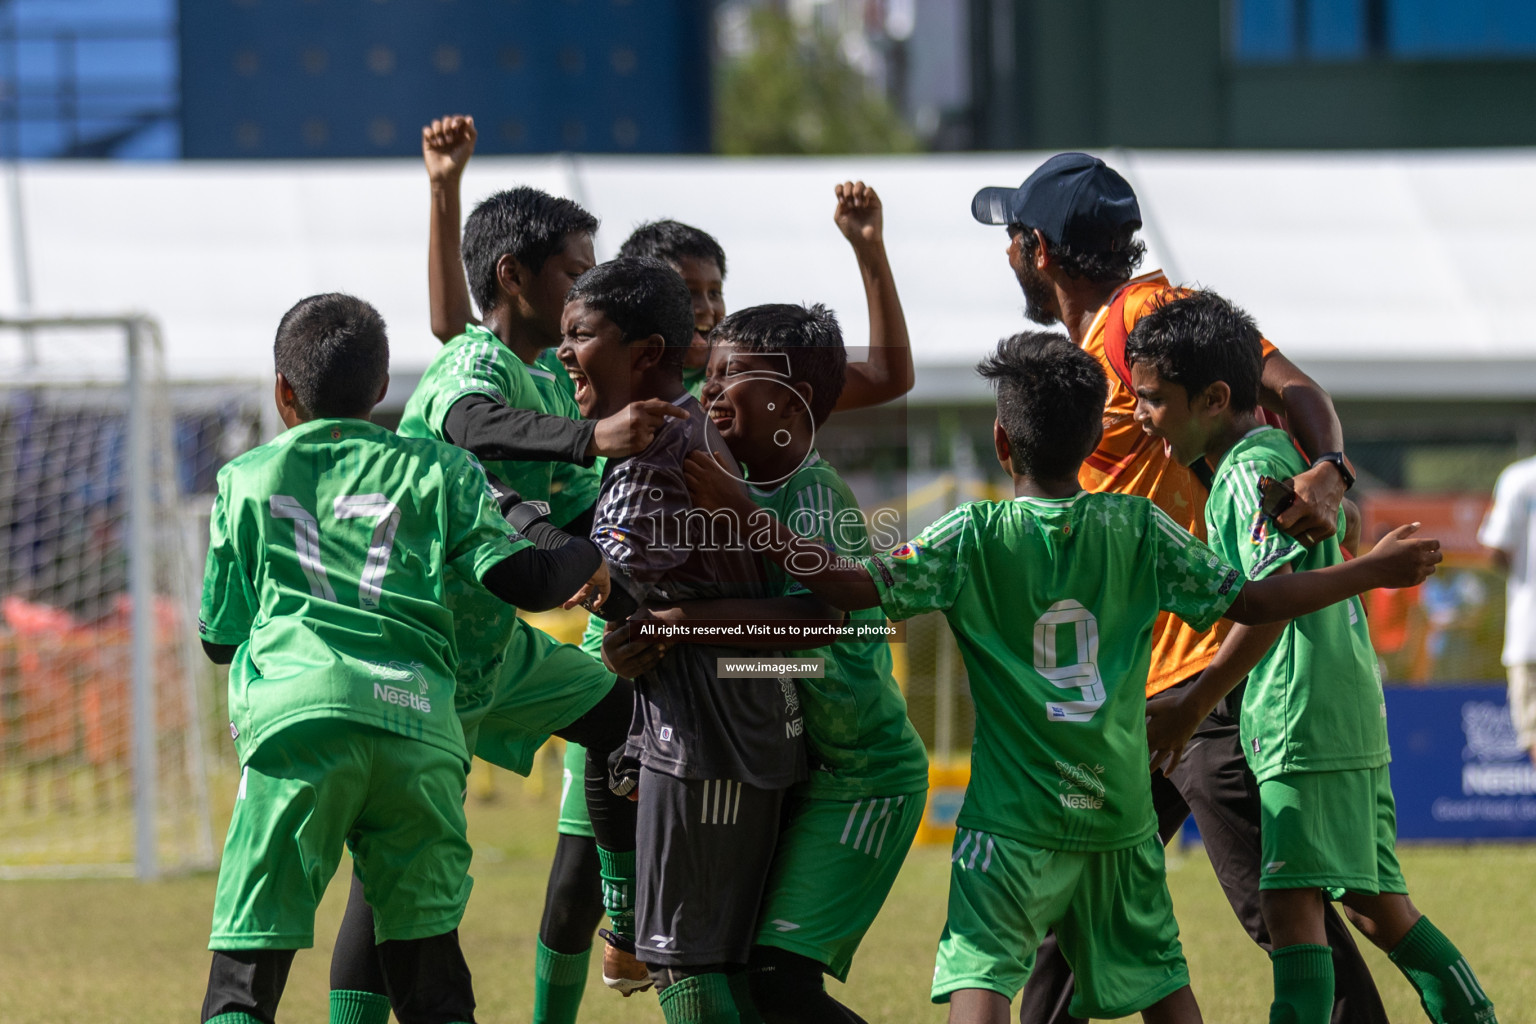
pixel 81 951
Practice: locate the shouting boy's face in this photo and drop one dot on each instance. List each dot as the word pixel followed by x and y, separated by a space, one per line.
pixel 601 362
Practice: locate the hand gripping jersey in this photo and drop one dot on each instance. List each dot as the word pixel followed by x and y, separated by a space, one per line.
pixel 329 554
pixel 1314 702
pixel 1053 603
pixel 689 723
pixel 1129 461
pixel 862 743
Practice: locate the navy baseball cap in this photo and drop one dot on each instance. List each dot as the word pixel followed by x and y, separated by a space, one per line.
pixel 1073 199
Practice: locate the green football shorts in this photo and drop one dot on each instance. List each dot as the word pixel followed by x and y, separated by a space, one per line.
pixel 574 820
pixel 324 784
pixel 1330 830
pixel 834 866
pixel 542 685
pixel 1111 913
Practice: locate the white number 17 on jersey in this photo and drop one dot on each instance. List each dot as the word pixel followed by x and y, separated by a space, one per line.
pixel 306 541
pixel 1084 674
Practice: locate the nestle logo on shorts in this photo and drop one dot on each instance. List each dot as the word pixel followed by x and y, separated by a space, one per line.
pixel 401 698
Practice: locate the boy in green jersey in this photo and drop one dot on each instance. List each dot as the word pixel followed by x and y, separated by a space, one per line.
pixel 343 656
pixel 1052 598
pixel 1313 721
pixel 486 392
pixel 774 376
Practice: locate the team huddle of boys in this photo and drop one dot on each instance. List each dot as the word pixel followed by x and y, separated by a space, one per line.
pixel 602 435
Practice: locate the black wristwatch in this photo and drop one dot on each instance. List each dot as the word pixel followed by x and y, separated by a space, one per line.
pixel 1338 461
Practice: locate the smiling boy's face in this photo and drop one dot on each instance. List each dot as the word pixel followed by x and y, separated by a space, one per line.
pixel 601 363
pixel 706 287
pixel 1164 410
pixel 751 401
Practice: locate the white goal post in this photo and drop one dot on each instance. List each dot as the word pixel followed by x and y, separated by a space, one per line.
pixel 105 707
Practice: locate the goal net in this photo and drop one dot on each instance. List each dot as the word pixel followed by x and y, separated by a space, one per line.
pixel 108 711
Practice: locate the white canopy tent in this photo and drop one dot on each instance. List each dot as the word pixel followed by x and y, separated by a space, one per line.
pixel 1383 274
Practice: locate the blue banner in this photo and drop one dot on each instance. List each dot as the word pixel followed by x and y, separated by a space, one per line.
pixel 1457 770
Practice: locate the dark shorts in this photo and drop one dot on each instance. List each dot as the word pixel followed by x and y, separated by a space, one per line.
pixel 703 849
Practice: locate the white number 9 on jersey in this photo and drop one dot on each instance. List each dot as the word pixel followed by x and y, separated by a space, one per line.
pixel 1084 674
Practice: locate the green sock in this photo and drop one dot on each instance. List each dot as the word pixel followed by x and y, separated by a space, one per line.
pixel 1303 985
pixel 558 981
pixel 700 999
pixel 1446 985
pixel 233 1018
pixel 619 890
pixel 741 992
pixel 352 1007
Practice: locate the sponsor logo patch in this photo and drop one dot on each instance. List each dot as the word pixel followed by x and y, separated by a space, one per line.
pixel 400 672
pixel 401 698
pixel 1081 787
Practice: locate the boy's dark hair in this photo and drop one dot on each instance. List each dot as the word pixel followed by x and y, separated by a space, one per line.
pixel 808 335
pixel 1197 340
pixel 333 351
pixel 643 297
pixel 523 222
pixel 670 240
pixel 1050 401
pixel 1109 266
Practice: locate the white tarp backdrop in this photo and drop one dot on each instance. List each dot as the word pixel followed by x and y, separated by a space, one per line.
pixel 1380 273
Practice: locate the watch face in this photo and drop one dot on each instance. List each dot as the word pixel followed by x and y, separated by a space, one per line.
pixel 1341 463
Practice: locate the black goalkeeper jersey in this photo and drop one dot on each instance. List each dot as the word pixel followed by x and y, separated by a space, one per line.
pixel 688 722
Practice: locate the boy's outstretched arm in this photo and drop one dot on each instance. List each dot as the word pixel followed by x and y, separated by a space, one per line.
pixel 1399 560
pixel 887 372
pixel 495 432
pixel 446 146
pixel 841 583
pixel 1173 717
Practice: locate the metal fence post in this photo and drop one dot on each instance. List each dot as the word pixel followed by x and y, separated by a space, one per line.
pixel 139 478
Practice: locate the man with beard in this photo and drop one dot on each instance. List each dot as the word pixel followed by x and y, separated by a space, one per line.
pixel 1071 228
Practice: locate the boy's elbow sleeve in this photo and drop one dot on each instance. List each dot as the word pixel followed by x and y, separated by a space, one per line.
pixel 537 580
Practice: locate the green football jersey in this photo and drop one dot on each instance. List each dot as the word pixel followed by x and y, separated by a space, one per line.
pixel 1314 703
pixel 477 363
pixel 572 488
pixel 693 381
pixel 498 650
pixel 1052 603
pixel 862 742
pixel 329 553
